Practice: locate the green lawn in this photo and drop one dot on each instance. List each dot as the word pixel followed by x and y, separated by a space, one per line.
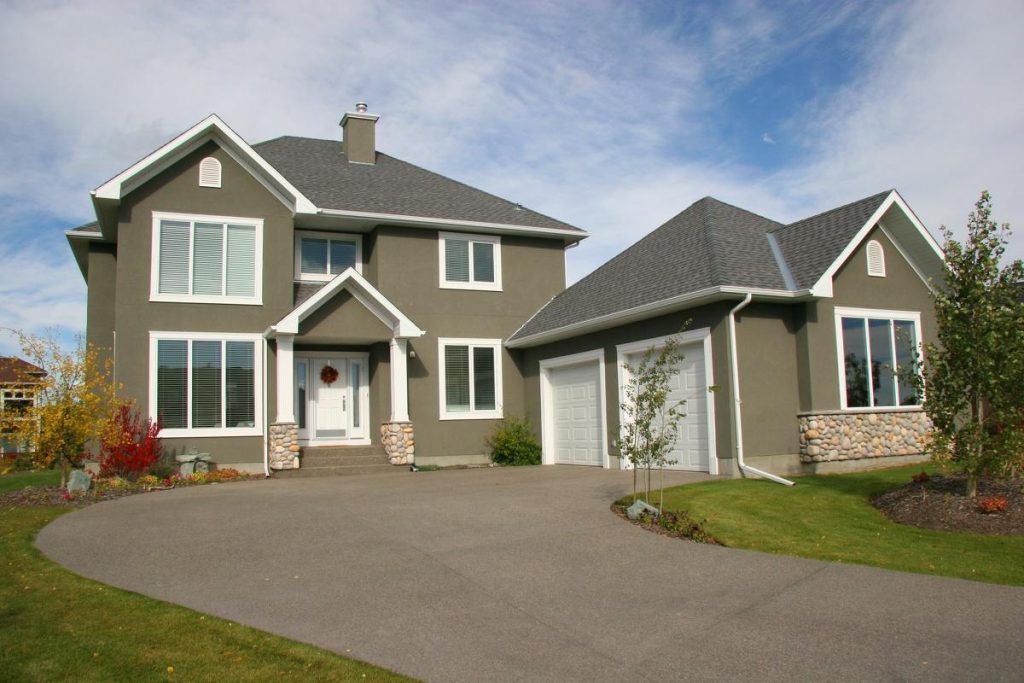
pixel 831 518
pixel 59 626
pixel 19 480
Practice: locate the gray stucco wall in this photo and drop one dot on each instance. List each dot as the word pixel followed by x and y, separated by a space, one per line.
pixel 404 262
pixel 177 190
pixel 101 297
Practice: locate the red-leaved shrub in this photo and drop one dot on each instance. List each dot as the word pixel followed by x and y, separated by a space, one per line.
pixel 129 445
pixel 990 505
pixel 921 478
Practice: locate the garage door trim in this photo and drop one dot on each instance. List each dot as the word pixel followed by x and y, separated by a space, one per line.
pixel 547 401
pixel 702 335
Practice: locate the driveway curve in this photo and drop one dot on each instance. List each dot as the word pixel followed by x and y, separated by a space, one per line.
pixel 525 574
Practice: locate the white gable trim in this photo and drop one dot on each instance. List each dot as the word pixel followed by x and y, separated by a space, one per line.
pixel 212 127
pixel 364 293
pixel 823 287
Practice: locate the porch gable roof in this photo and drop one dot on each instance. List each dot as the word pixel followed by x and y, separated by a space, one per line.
pixel 361 290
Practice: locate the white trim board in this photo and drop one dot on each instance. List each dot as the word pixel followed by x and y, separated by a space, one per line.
pixel 547 402
pixel 699 336
pixel 204 432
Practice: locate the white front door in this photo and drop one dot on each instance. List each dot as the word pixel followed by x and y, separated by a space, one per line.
pixel 332 397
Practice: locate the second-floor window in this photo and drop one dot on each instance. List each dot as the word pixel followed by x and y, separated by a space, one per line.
pixel 319 256
pixel 207 259
pixel 470 261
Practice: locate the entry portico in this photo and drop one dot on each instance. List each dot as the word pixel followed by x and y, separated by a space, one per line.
pixel 323 372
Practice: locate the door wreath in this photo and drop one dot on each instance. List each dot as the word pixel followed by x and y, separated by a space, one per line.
pixel 328 375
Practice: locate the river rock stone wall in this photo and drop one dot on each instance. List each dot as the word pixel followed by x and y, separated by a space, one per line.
pixel 399 442
pixel 283 446
pixel 851 436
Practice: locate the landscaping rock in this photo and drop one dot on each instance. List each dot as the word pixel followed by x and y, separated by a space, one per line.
pixel 79 481
pixel 638 508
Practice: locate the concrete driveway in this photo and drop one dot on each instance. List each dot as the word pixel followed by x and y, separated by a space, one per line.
pixel 525 574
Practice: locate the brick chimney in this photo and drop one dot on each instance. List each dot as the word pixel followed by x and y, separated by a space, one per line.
pixel 358 140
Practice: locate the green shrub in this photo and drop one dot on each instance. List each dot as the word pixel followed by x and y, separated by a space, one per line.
pixel 512 443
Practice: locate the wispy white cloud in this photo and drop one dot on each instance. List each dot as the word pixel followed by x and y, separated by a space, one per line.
pixel 767 139
pixel 602 114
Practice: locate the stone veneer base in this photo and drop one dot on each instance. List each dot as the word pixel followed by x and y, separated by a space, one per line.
pixel 831 436
pixel 399 442
pixel 283 446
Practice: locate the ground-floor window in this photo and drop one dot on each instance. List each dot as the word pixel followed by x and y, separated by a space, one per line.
pixel 470 385
pixel 878 351
pixel 205 385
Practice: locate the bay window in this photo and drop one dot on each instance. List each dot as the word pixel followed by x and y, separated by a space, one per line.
pixel 470 384
pixel 877 357
pixel 206 259
pixel 205 384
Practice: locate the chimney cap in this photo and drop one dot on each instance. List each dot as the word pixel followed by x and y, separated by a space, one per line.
pixel 361 107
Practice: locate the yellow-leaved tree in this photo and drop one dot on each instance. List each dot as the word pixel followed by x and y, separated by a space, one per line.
pixel 73 401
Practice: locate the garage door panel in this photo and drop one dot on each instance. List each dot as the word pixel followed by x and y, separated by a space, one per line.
pixel 576 414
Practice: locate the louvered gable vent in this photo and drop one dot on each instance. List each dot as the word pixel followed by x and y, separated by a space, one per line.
pixel 876 259
pixel 209 172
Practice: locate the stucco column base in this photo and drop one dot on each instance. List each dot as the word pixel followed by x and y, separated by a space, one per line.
pixel 398 442
pixel 283 446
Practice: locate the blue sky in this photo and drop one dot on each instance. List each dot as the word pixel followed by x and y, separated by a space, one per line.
pixel 611 116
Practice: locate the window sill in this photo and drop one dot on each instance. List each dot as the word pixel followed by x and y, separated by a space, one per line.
pixel 206 432
pixel 866 410
pixel 471 286
pixel 474 415
pixel 230 300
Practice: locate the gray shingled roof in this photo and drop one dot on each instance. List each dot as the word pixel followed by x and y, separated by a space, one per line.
pixel 320 170
pixel 710 244
pixel 811 245
pixel 94 226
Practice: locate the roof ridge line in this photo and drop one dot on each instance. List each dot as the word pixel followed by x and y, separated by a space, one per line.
pixel 835 208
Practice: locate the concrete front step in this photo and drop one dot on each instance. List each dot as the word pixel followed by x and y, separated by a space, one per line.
pixel 338 470
pixel 336 459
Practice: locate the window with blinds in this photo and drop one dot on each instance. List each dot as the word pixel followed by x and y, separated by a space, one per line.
pixel 471 378
pixel 205 385
pixel 207 261
pixel 321 256
pixel 470 262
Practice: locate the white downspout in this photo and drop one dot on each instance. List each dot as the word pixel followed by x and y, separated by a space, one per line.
pixel 266 413
pixel 734 370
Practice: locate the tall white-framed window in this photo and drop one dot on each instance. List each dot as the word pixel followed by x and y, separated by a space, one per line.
pixel 319 256
pixel 205 384
pixel 469 261
pixel 470 379
pixel 877 352
pixel 207 259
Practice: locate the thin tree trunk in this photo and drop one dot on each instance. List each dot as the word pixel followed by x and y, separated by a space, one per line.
pixel 661 498
pixel 64 472
pixel 972 476
pixel 972 485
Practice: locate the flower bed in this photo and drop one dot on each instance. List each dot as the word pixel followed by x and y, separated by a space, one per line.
pixel 938 502
pixel 114 487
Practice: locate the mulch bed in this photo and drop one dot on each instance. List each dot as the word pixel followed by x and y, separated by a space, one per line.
pixel 680 526
pixel 48 496
pixel 940 504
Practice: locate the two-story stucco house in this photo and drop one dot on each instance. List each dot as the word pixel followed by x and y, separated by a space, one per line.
pixel 262 301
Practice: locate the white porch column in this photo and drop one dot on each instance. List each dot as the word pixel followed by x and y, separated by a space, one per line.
pixel 399 380
pixel 285 378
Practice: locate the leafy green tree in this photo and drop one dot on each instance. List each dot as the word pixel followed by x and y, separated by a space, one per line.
pixel 973 379
pixel 652 420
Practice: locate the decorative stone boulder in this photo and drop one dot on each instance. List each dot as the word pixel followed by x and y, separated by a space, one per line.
pixel 639 507
pixel 189 463
pixel 79 482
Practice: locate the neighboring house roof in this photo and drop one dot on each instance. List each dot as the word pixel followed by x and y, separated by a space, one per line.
pixel 321 171
pixel 811 245
pixel 16 371
pixel 713 250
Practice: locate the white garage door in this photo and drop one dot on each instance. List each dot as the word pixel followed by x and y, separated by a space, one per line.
pixel 692 450
pixel 577 424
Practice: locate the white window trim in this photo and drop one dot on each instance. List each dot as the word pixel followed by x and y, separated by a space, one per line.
pixel 471 414
pixel 339 236
pixel 472 284
pixel 699 336
pixel 154 262
pixel 879 314
pixel 547 402
pixel 182 432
